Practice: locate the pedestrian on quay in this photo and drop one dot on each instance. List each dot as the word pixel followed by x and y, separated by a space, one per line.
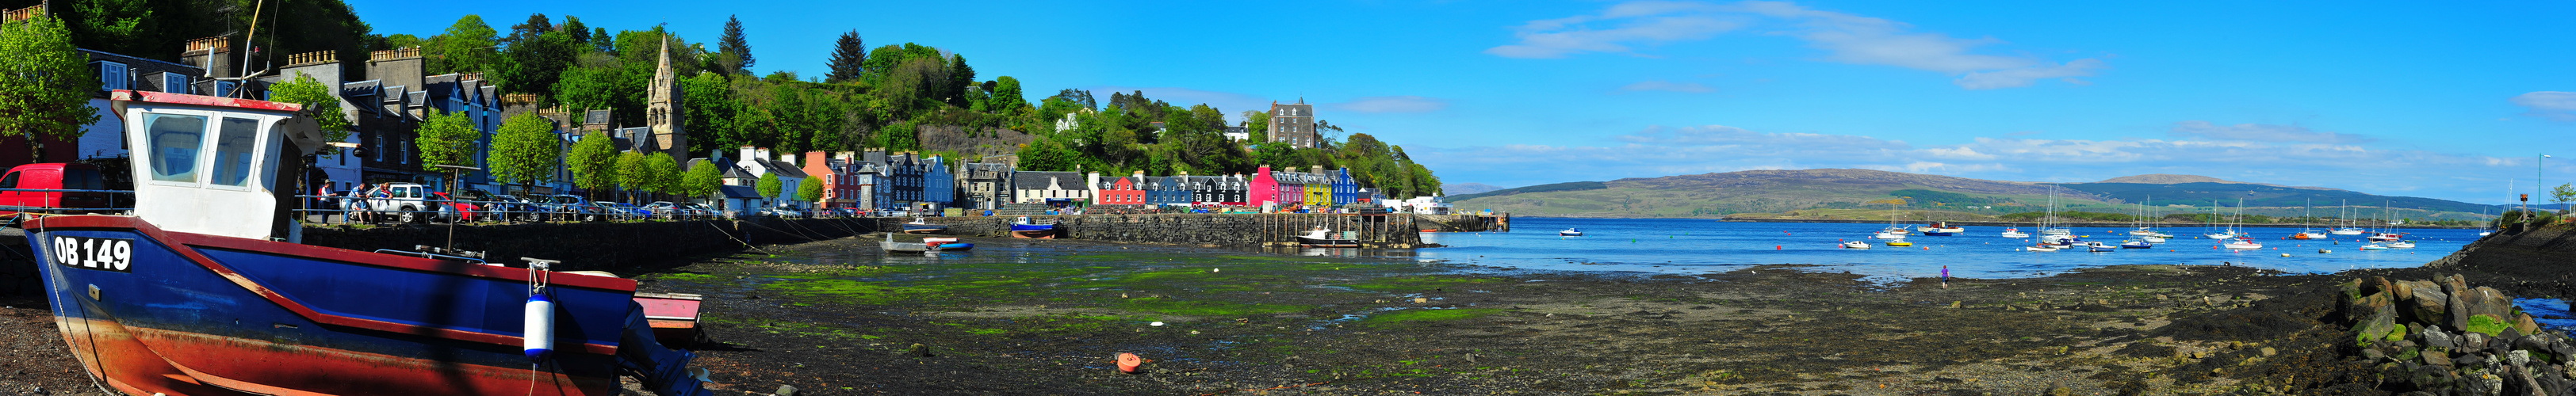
pixel 1945 277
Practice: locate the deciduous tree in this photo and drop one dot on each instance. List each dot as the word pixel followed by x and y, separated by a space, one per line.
pixel 594 162
pixel 634 172
pixel 768 186
pixel 45 83
pixel 447 138
pixel 469 46
pixel 810 191
pixel 319 101
pixel 703 178
pixel 665 173
pixel 525 151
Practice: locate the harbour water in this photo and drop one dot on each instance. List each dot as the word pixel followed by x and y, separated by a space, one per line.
pixel 1700 246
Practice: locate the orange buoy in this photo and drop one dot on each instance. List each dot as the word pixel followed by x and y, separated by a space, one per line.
pixel 1128 363
pixel 1775 247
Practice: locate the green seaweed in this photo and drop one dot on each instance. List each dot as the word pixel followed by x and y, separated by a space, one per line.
pixel 1428 315
pixel 2487 324
pixel 1418 283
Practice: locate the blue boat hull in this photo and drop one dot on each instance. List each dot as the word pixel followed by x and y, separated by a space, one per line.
pixel 177 313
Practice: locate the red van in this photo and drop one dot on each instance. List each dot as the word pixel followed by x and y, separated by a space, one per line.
pixel 52 176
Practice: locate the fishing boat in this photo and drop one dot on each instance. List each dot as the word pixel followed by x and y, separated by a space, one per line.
pixel 2136 244
pixel 1321 237
pixel 2243 243
pixel 1855 244
pixel 1022 227
pixel 923 226
pixel 1570 232
pixel 206 289
pixel 2015 233
pixel 1941 229
pixel 2100 247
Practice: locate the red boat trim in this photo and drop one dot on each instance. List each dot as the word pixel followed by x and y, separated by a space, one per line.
pixel 201 100
pixel 340 255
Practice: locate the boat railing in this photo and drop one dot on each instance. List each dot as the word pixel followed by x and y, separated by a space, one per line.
pixel 426 251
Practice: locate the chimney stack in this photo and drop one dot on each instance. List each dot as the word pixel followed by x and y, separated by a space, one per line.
pixel 212 53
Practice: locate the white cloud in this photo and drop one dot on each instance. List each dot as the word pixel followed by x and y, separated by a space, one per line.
pixel 2553 105
pixel 1661 85
pixel 1845 38
pixel 1392 104
pixel 2264 133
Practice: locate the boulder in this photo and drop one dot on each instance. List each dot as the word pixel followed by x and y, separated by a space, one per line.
pixel 2434 357
pixel 2428 305
pixel 2459 313
pixel 2433 336
pixel 2517 357
pixel 2486 324
pixel 2454 284
pixel 2369 305
pixel 2432 377
pixel 2473 341
pixel 2523 321
pixel 2375 330
pixel 2488 301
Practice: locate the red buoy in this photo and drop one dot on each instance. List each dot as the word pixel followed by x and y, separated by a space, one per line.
pixel 1128 362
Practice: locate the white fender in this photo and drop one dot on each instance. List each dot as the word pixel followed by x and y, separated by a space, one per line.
pixel 540 331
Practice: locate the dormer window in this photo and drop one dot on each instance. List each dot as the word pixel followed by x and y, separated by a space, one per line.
pixel 174 83
pixel 114 76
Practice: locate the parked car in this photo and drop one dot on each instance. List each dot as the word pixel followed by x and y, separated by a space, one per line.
pixel 54 177
pixel 511 207
pixel 571 208
pixel 620 211
pixel 452 211
pixel 668 210
pixel 401 202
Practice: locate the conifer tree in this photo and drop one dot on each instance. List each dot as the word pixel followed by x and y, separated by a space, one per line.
pixel 847 55
pixel 733 44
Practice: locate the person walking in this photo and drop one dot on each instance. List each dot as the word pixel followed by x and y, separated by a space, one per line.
pixel 1945 276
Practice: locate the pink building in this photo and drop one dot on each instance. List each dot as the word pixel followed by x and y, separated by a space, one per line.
pixel 1262 190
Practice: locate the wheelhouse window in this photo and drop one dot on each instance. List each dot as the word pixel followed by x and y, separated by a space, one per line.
pixel 234 144
pixel 174 140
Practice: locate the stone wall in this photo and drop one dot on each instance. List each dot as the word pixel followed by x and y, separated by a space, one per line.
pixel 1387 231
pixel 2533 261
pixel 1464 223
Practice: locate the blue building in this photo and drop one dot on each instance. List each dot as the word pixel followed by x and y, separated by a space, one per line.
pixel 1168 190
pixel 938 185
pixel 1345 190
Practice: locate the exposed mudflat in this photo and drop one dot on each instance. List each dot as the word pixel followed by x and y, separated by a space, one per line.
pixel 1047 317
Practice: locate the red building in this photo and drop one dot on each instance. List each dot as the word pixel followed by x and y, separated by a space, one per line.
pixel 1122 191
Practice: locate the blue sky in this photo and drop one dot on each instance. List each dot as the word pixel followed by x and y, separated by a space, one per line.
pixel 2443 100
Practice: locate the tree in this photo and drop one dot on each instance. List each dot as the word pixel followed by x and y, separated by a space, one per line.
pixel 634 172
pixel 573 28
pixel 1007 97
pixel 733 44
pixel 525 150
pixel 665 173
pixel 319 101
pixel 469 46
pixel 535 64
pixel 45 83
pixel 960 76
pixel 768 186
pixel 594 162
pixel 537 24
pixel 848 59
pixel 2563 194
pixel 703 178
pixel 809 191
pixel 447 138
pixel 711 113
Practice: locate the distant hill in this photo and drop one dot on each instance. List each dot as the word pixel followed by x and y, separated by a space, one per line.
pixel 1765 191
pixel 1467 188
pixel 2162 178
pixel 1782 191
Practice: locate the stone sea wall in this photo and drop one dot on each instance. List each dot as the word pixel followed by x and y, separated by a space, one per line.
pixel 2534 261
pixel 1387 231
pixel 594 246
pixel 1464 223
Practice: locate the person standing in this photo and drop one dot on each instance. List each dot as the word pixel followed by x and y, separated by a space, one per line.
pixel 1945 276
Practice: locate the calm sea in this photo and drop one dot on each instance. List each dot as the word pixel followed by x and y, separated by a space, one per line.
pixel 1699 246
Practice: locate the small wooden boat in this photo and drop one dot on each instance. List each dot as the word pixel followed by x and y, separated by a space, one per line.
pixel 1320 237
pixel 946 244
pixel 1570 232
pixel 923 226
pixel 1023 228
pixel 902 247
pixel 1899 242
pixel 1856 245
